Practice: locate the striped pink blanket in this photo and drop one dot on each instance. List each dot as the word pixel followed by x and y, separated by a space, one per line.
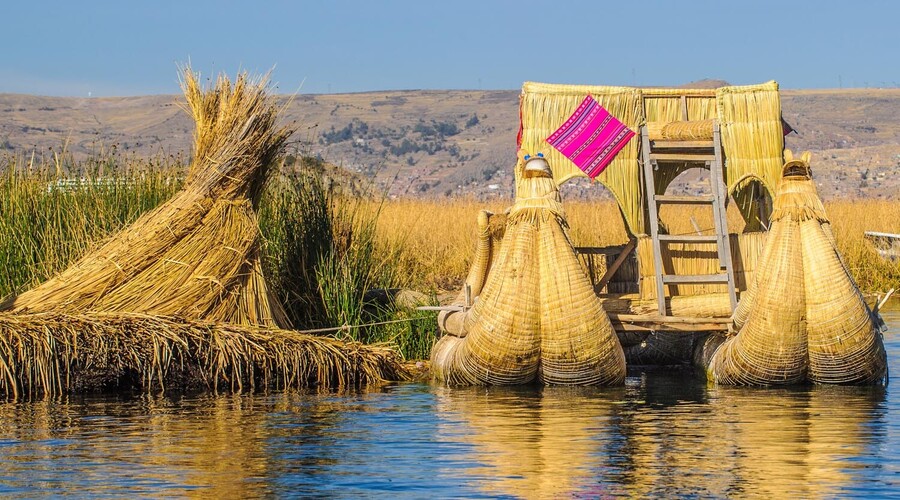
pixel 591 137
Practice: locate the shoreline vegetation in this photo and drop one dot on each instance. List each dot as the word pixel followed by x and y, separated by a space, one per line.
pixel 324 247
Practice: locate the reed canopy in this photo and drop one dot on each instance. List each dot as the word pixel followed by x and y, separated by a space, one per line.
pixel 803 317
pixel 182 288
pixel 535 315
pixel 749 118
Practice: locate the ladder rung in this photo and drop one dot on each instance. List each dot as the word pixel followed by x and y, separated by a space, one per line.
pixel 664 144
pixel 695 278
pixel 665 198
pixel 686 156
pixel 689 238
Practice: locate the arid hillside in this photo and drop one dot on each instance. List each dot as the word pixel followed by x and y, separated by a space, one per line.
pixel 447 143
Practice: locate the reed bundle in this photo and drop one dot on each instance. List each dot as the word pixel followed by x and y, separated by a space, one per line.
pixel 196 256
pixel 537 317
pixel 695 130
pixel 803 318
pixel 51 353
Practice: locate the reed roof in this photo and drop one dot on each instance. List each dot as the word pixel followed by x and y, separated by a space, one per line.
pixel 749 118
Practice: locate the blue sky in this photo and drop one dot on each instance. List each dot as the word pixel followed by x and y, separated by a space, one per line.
pixel 132 48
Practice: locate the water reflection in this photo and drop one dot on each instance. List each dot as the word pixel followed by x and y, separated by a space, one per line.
pixel 211 445
pixel 666 435
pixel 663 434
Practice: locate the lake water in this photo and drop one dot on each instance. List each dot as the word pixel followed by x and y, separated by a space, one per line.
pixel 663 434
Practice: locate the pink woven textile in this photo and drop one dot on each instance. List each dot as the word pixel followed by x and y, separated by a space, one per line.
pixel 591 137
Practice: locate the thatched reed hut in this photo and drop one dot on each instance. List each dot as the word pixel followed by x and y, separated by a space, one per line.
pixel 736 132
pixel 182 289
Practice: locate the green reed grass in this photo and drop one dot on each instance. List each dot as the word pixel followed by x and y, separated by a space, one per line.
pixel 51 214
pixel 323 255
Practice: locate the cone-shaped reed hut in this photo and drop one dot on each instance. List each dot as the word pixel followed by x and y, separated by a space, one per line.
pixel 803 318
pixel 182 289
pixel 536 317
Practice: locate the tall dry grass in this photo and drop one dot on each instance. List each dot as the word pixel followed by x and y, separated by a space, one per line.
pixel 438 237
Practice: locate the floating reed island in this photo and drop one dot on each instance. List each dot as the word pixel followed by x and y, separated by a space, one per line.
pixel 179 297
pixel 771 304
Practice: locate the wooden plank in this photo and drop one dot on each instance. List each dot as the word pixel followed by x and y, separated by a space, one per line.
pixel 608 251
pixel 611 270
pixel 689 238
pixel 649 322
pixel 653 318
pixel 686 156
pixel 661 327
pixel 667 198
pixel 672 279
pixel 882 235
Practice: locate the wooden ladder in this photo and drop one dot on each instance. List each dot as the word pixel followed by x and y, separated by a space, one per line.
pixel 709 154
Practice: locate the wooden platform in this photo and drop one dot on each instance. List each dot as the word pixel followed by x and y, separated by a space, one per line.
pixel 656 323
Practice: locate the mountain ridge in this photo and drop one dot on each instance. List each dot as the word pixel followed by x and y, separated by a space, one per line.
pixel 437 143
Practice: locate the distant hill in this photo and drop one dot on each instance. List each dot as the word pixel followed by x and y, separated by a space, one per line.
pixel 433 143
pixel 706 83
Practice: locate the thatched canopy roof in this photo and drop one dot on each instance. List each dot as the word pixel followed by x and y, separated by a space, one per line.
pixel 749 118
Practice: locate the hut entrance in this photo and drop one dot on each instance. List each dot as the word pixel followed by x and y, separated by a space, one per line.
pixel 663 158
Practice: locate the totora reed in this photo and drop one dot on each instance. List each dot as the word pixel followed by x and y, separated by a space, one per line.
pixel 803 319
pixel 182 288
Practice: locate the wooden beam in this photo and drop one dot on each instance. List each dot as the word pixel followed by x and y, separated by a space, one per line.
pixel 611 270
pixel 653 322
pixel 689 238
pixel 675 279
pixel 600 250
pixel 668 198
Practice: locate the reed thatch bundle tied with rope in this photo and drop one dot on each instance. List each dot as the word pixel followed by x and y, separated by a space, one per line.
pixel 535 315
pixel 185 277
pixel 803 318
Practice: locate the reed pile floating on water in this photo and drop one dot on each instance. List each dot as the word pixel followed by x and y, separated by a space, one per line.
pixel 803 318
pixel 52 353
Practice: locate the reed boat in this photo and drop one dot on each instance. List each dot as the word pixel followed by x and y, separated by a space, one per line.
pixel 670 297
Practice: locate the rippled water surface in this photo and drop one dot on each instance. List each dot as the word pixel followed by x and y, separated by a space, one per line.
pixel 663 434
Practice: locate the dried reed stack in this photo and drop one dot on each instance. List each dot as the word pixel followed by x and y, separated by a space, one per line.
pixel 803 318
pixel 179 296
pixel 196 256
pixel 52 353
pixel 537 317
